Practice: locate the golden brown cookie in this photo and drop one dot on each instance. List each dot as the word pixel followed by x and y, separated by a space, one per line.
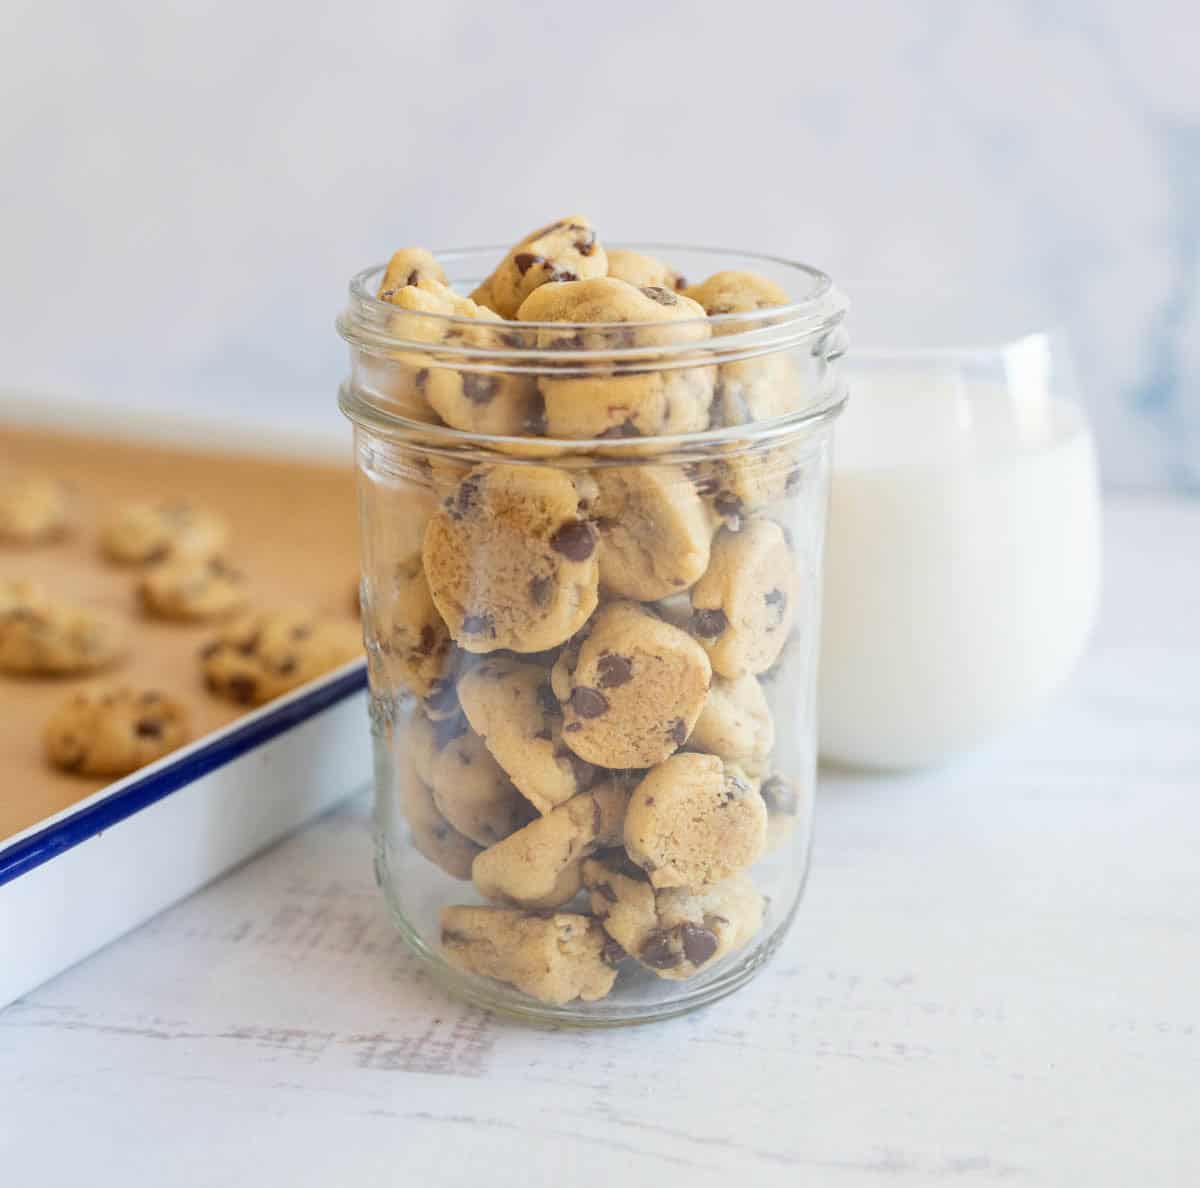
pixel 693 822
pixel 144 532
pixel 34 509
pixel 266 655
pixel 639 270
pixel 511 562
pixel 111 732
pixel 190 589
pixel 39 637
pixel 409 266
pixel 632 689
pixel 555 957
pixel 563 251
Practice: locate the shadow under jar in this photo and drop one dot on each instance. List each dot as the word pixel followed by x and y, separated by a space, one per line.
pixel 591 614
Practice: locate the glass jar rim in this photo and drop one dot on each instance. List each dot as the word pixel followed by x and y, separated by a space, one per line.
pixel 377 325
pixel 673 448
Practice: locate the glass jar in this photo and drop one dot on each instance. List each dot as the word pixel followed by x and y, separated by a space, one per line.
pixel 591 616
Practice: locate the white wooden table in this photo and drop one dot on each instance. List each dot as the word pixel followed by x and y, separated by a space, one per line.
pixel 996 978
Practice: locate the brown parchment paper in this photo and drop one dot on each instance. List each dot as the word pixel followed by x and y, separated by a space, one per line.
pixel 294 535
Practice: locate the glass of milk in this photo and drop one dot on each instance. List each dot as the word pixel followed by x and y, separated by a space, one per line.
pixel 962 568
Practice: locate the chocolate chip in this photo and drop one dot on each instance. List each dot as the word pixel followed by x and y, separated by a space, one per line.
pixel 546 700
pixel 442 696
pixel 657 953
pixel 249 645
pixel 680 282
pixel 575 540
pixel 780 796
pixel 777 601
pixel 535 423
pixel 413 277
pixel 588 703
pixel 612 953
pixel 558 275
pixel 526 260
pixel 699 944
pixel 605 890
pixel 585 245
pixel 301 631
pixel 566 342
pixel 428 640
pixel 729 506
pixel 705 485
pixel 148 728
pixel 286 666
pixel 421 379
pixel 662 296
pixel 211 648
pixel 540 589
pixel 480 389
pixel 468 493
pixel 708 624
pixel 242 688
pixel 479 624
pixel 625 429
pixel 677 732
pixel 613 670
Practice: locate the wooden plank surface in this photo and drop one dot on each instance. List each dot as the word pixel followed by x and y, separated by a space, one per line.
pixel 294 536
pixel 993 980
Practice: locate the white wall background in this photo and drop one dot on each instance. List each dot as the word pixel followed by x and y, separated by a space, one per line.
pixel 186 186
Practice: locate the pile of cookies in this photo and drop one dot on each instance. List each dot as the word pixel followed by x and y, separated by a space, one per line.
pixel 582 643
pixel 175 551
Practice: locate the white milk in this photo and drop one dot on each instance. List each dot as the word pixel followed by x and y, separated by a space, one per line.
pixel 962 564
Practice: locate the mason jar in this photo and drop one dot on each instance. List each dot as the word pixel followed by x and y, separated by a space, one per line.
pixel 591 593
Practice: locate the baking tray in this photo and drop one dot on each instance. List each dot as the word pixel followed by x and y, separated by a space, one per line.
pixel 82 861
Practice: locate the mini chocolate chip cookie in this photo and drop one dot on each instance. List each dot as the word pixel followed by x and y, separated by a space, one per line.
pixel 473 792
pixel 639 270
pixel 743 606
pixel 555 957
pixel 112 732
pixel 693 822
pixel 433 836
pixel 39 637
pixel 512 706
pixel 654 531
pixel 511 562
pixel 412 639
pixel 735 723
pixel 540 863
pixel 34 509
pixel 264 656
pixel 675 932
pixel 410 266
pixel 464 396
pixel 761 387
pixel 138 533
pixel 595 401
pixel 567 250
pixel 633 690
pixel 190 589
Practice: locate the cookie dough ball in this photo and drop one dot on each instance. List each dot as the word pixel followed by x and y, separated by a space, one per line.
pixel 742 608
pixel 555 958
pixel 564 251
pixel 34 509
pixel 113 732
pixel 748 389
pixel 510 562
pixel 264 656
pixel 654 531
pixel 469 397
pixel 409 633
pixel 650 402
pixel 512 706
pixel 191 589
pixel 635 269
pixel 43 638
pixel 693 822
pixel 735 723
pixel 636 689
pixel 737 485
pixel 675 932
pixel 473 793
pixel 410 266
pixel 426 737
pixel 143 532
pixel 433 837
pixel 540 862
